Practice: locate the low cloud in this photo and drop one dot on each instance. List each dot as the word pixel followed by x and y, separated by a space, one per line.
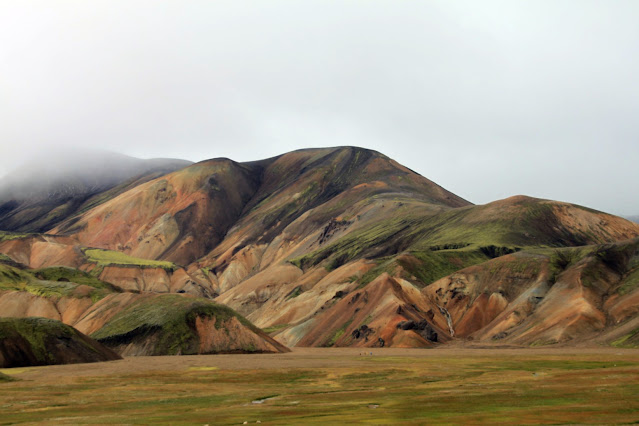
pixel 488 99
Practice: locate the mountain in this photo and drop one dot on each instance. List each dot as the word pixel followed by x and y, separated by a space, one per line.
pixel 187 214
pixel 42 193
pixel 336 247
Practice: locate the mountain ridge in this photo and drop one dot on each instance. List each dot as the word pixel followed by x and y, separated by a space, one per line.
pixel 344 246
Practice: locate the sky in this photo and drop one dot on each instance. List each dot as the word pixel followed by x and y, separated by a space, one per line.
pixel 489 99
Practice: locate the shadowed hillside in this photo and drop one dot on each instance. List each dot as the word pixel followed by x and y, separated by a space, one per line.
pixel 38 341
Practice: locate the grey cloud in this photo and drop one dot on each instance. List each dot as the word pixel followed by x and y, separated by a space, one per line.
pixel 489 99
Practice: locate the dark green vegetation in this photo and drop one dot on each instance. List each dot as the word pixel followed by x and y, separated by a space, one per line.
pixel 10 275
pixel 4 378
pixel 621 260
pixel 166 320
pixel 630 340
pixel 41 341
pixel 7 236
pixel 411 387
pixel 427 266
pixel 66 274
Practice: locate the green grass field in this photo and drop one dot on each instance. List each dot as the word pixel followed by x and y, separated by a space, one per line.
pixel 332 386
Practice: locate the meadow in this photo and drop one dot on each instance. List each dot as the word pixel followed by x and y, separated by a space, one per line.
pixel 335 385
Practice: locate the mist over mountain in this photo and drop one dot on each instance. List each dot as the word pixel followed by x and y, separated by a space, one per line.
pixel 58 174
pixel 634 218
pixel 59 183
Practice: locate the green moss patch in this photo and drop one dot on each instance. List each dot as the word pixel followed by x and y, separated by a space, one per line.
pixel 630 340
pixel 4 378
pixel 274 328
pixel 371 241
pixel 6 236
pixel 430 266
pixel 10 276
pixel 338 333
pixel 109 258
pixel 630 282
pixel 294 293
pixel 53 282
pixel 66 274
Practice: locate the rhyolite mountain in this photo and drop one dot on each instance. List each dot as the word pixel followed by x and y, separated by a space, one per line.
pixel 329 247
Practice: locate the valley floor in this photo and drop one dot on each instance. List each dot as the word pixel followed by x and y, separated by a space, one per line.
pixel 335 385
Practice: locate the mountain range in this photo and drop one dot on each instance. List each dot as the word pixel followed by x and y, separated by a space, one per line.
pixel 318 247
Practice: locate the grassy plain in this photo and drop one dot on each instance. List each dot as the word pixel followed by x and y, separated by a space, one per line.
pixel 335 385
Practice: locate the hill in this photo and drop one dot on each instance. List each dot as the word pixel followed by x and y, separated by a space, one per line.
pixel 38 341
pixel 175 325
pixel 342 247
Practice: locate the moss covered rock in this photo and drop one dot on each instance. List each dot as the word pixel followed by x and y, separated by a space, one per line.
pixel 39 341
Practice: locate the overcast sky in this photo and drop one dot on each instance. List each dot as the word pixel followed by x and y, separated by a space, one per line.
pixel 488 99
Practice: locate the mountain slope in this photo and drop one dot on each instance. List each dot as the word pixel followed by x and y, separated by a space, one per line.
pixel 341 246
pixel 186 214
pixel 130 323
pixel 45 192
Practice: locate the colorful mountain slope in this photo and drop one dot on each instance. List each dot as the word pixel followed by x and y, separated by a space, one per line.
pixel 343 246
pixel 130 323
